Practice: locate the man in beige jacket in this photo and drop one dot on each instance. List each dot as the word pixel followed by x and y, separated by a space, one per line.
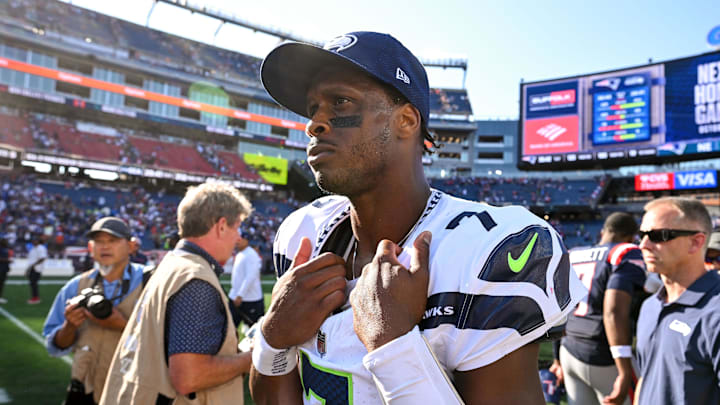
pixel 180 345
pixel 87 325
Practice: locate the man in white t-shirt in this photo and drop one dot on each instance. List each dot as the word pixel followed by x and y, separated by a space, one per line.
pixel 246 291
pixel 36 259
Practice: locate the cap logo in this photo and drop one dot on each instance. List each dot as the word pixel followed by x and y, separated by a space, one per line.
pixel 341 43
pixel 400 75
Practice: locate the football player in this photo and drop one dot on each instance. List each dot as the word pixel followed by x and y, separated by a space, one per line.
pixel 388 290
pixel 596 354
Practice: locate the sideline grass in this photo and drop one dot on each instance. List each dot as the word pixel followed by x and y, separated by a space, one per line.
pixel 27 372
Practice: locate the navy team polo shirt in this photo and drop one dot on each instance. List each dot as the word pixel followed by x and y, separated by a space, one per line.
pixel 678 345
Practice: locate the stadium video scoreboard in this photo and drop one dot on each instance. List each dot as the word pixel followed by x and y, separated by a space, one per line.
pixel 621 109
pixel 654 113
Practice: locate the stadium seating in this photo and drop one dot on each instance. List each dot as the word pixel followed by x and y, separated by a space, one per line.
pixel 449 101
pixel 83 144
pixel 155 46
pixel 235 164
pixel 68 208
pixel 579 233
pixel 15 131
pixel 60 136
pixel 69 20
pixel 528 192
pixel 171 155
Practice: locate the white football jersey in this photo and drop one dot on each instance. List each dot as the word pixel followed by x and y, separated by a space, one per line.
pixel 499 279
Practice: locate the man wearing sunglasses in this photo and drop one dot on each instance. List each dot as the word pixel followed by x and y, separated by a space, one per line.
pixel 678 331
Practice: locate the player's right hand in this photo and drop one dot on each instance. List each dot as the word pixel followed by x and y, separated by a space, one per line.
pixel 75 315
pixel 303 297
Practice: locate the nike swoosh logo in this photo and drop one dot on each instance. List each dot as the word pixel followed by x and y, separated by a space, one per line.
pixel 516 265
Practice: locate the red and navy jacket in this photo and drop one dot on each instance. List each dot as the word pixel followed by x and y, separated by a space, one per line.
pixel 600 268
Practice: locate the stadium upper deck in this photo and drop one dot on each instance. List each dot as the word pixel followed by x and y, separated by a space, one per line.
pixel 129 61
pixel 54 19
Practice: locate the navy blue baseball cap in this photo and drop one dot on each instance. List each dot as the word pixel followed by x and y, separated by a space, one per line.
pixel 112 225
pixel 288 69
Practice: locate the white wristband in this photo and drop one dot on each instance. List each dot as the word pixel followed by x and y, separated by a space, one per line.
pixel 270 361
pixel 406 371
pixel 621 351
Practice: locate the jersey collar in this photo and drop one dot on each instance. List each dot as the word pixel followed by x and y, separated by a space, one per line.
pixel 695 292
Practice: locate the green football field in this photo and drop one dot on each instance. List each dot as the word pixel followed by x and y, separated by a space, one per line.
pixel 28 375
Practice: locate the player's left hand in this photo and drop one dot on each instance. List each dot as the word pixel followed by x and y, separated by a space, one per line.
pixel 116 320
pixel 620 390
pixel 389 300
pixel 556 368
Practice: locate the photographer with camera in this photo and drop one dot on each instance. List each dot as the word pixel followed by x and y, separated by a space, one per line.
pixel 90 312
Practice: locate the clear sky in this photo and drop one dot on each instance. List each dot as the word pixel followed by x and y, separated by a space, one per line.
pixel 504 41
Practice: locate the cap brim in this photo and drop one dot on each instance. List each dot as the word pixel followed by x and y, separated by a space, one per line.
pixel 288 70
pixel 91 234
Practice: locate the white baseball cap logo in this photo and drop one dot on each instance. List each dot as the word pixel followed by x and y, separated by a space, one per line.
pixel 341 43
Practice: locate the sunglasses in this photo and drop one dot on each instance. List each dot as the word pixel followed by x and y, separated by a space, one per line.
pixel 664 235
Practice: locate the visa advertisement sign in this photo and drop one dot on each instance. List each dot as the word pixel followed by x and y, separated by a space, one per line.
pixel 676 181
pixel 696 179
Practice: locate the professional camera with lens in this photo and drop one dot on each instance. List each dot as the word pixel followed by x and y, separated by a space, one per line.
pixel 95 302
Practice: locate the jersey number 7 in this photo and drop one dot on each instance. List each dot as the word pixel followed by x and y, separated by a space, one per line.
pixel 586 273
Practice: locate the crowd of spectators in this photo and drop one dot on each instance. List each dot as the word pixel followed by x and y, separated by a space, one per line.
pixel 142 43
pixel 159 48
pixel 62 136
pixel 59 213
pixel 525 191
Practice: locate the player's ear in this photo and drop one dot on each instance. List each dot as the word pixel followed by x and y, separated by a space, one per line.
pixel 407 121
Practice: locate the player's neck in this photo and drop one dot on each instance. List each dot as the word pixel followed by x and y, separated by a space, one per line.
pixel 389 213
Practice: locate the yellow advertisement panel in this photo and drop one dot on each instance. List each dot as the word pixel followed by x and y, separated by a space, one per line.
pixel 273 169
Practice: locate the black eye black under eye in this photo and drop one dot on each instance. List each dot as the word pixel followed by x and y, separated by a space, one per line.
pixel 349 121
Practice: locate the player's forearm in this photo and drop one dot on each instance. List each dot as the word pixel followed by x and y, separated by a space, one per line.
pixel 192 372
pixel 616 317
pixel 617 328
pixel 276 390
